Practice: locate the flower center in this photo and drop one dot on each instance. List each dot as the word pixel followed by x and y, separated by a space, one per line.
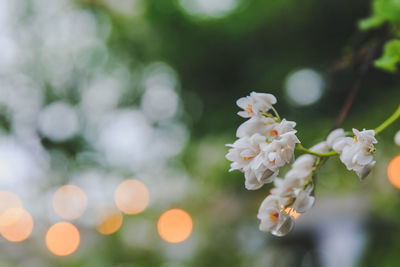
pixel 247 158
pixel 249 109
pixel 273 133
pixel 355 139
pixel 273 216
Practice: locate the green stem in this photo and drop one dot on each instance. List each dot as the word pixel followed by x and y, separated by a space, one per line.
pixel 270 116
pixel 300 147
pixel 389 121
pixel 276 113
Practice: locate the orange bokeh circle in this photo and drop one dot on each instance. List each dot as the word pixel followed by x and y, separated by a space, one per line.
pixel 131 196
pixel 69 202
pixel 110 222
pixel 393 171
pixel 175 225
pixel 62 239
pixel 20 226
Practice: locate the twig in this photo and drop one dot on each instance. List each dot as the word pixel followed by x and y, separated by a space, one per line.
pixel 357 83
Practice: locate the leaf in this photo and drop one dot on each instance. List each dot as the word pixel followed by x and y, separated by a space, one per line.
pixel 390 57
pixel 370 23
pixel 387 10
pixel 382 11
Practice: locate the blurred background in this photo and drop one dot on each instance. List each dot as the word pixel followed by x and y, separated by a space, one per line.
pixel 101 98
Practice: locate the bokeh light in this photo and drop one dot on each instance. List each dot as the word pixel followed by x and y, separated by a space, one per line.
pixel 124 136
pixel 304 87
pixel 110 221
pixel 62 239
pixel 20 229
pixel 209 8
pixel 175 225
pixel 132 196
pixel 59 121
pixel 397 138
pixel 292 213
pixel 393 171
pixel 10 216
pixel 10 204
pixel 160 101
pixel 69 202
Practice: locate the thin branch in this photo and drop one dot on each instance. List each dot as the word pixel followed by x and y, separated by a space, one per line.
pixel 356 86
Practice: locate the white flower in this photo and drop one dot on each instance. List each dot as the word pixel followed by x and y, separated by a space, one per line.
pixel 261 125
pixel 264 145
pixel 320 147
pixel 265 126
pixel 255 180
pixel 356 153
pixel 294 185
pixel 305 162
pixel 244 150
pixel 284 188
pixel 334 135
pixel 304 200
pixel 397 138
pixel 274 155
pixel 254 104
pixel 242 153
pixel 273 218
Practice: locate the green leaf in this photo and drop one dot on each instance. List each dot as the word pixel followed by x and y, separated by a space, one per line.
pixel 370 23
pixel 390 58
pixel 387 10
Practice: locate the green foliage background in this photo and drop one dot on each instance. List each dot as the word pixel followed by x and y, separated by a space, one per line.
pixel 219 60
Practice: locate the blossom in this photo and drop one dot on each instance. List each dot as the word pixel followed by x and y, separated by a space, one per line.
pixel 304 199
pixel 242 154
pixel 284 188
pixel 321 147
pixel 356 153
pixel 296 187
pixel 273 217
pixel 334 136
pixel 243 150
pixel 255 180
pixel 261 125
pixel 264 145
pixel 265 126
pixel 255 103
pixel 274 155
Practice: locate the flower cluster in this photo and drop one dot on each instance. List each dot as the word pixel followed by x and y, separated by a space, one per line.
pixel 291 195
pixel 355 153
pixel 265 142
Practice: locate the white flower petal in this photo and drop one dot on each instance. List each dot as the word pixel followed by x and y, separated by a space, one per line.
pixel 304 201
pixel 334 135
pixel 365 170
pixel 320 147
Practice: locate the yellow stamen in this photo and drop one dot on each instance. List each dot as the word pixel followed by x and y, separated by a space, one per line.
pixel 273 133
pixel 355 139
pixel 247 158
pixel 273 216
pixel 249 109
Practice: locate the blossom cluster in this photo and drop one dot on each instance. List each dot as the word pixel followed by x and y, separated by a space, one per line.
pixel 291 195
pixel 266 143
pixel 355 153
